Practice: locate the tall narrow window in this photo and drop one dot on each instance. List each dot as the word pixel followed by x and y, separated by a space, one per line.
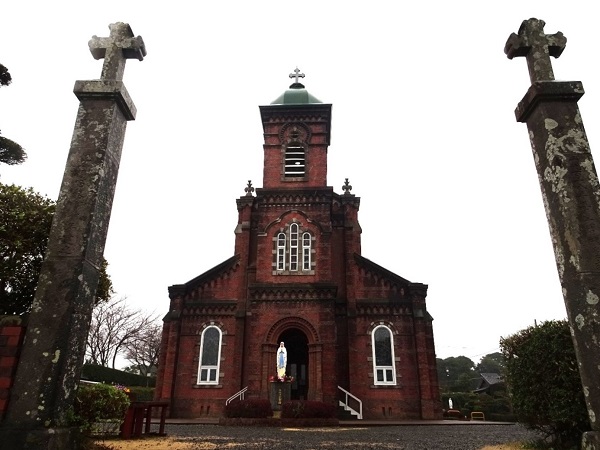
pixel 383 356
pixel 294 247
pixel 294 161
pixel 210 355
pixel 306 251
pixel 281 251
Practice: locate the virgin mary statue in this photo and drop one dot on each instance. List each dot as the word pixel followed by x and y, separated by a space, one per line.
pixel 281 360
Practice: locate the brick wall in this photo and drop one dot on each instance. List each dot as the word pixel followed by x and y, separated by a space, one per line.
pixel 12 331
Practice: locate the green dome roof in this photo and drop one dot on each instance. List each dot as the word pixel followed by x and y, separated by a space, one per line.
pixel 296 95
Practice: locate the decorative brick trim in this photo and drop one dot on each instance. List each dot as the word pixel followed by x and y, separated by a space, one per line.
pixel 289 292
pixel 11 341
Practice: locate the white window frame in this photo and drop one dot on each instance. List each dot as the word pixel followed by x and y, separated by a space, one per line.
pixel 281 245
pixel 294 247
pixel 210 368
pixel 306 250
pixel 383 374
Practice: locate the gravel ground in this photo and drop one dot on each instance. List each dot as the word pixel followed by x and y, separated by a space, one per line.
pixel 422 437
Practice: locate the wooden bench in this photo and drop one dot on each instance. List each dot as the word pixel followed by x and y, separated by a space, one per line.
pixel 138 418
pixel 475 415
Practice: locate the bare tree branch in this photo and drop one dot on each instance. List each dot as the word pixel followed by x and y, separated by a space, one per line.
pixel 143 351
pixel 114 325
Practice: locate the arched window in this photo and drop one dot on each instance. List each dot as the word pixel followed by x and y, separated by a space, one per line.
pixel 281 251
pixel 293 251
pixel 306 244
pixel 384 369
pixel 210 356
pixel 294 247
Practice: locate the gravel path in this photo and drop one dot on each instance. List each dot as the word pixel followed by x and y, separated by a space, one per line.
pixel 422 437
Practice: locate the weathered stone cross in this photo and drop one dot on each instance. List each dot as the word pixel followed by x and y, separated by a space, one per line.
pixel 569 185
pixel 537 48
pixel 47 378
pixel 116 49
pixel 296 74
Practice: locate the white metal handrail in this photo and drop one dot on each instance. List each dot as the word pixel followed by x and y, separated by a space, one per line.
pixel 239 394
pixel 347 407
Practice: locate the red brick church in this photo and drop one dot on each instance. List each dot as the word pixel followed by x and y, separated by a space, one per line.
pixel 355 332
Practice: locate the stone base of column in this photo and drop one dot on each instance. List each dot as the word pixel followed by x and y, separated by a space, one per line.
pixel 13 438
pixel 590 440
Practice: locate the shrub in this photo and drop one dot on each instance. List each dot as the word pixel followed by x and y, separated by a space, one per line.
pixel 93 372
pixel 255 408
pixel 453 414
pixel 141 394
pixel 99 402
pixel 307 409
pixel 468 402
pixel 542 376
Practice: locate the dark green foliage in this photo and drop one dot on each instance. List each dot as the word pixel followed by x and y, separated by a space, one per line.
pixel 468 402
pixel 307 409
pixel 252 408
pixel 96 402
pixel 5 77
pixel 456 374
pixel 25 221
pixel 105 290
pixel 454 414
pixel 543 379
pixel 11 153
pixel 92 372
pixel 492 363
pixel 141 394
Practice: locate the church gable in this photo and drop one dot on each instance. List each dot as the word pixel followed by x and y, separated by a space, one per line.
pixel 212 284
pixel 378 283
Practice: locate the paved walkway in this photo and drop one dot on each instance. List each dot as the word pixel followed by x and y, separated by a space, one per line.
pixel 350 423
pixel 353 435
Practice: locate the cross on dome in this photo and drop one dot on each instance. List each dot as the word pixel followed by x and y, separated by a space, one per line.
pixel 296 75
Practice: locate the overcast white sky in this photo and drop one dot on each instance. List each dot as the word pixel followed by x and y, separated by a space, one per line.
pixel 423 126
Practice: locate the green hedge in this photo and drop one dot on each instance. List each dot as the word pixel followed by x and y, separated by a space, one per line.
pixel 491 406
pixel 98 402
pixel 543 378
pixel 256 408
pixel 141 394
pixel 107 375
pixel 307 409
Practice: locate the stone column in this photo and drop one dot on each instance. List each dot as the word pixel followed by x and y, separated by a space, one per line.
pixel 571 195
pixel 50 365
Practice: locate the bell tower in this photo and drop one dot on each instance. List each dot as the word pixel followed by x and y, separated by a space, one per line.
pixel 297 130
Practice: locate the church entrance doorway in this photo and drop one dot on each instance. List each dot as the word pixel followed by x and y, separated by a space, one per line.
pixel 296 344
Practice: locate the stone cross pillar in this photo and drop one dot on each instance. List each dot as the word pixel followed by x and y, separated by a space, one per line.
pixel 571 195
pixel 52 356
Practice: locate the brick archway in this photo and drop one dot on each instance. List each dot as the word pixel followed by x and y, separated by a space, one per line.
pixel 296 344
pixel 314 358
pixel 287 323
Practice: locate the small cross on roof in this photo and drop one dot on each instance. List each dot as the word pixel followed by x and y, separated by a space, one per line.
pixel 296 74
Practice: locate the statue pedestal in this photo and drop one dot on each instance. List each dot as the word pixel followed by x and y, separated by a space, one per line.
pixel 279 392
